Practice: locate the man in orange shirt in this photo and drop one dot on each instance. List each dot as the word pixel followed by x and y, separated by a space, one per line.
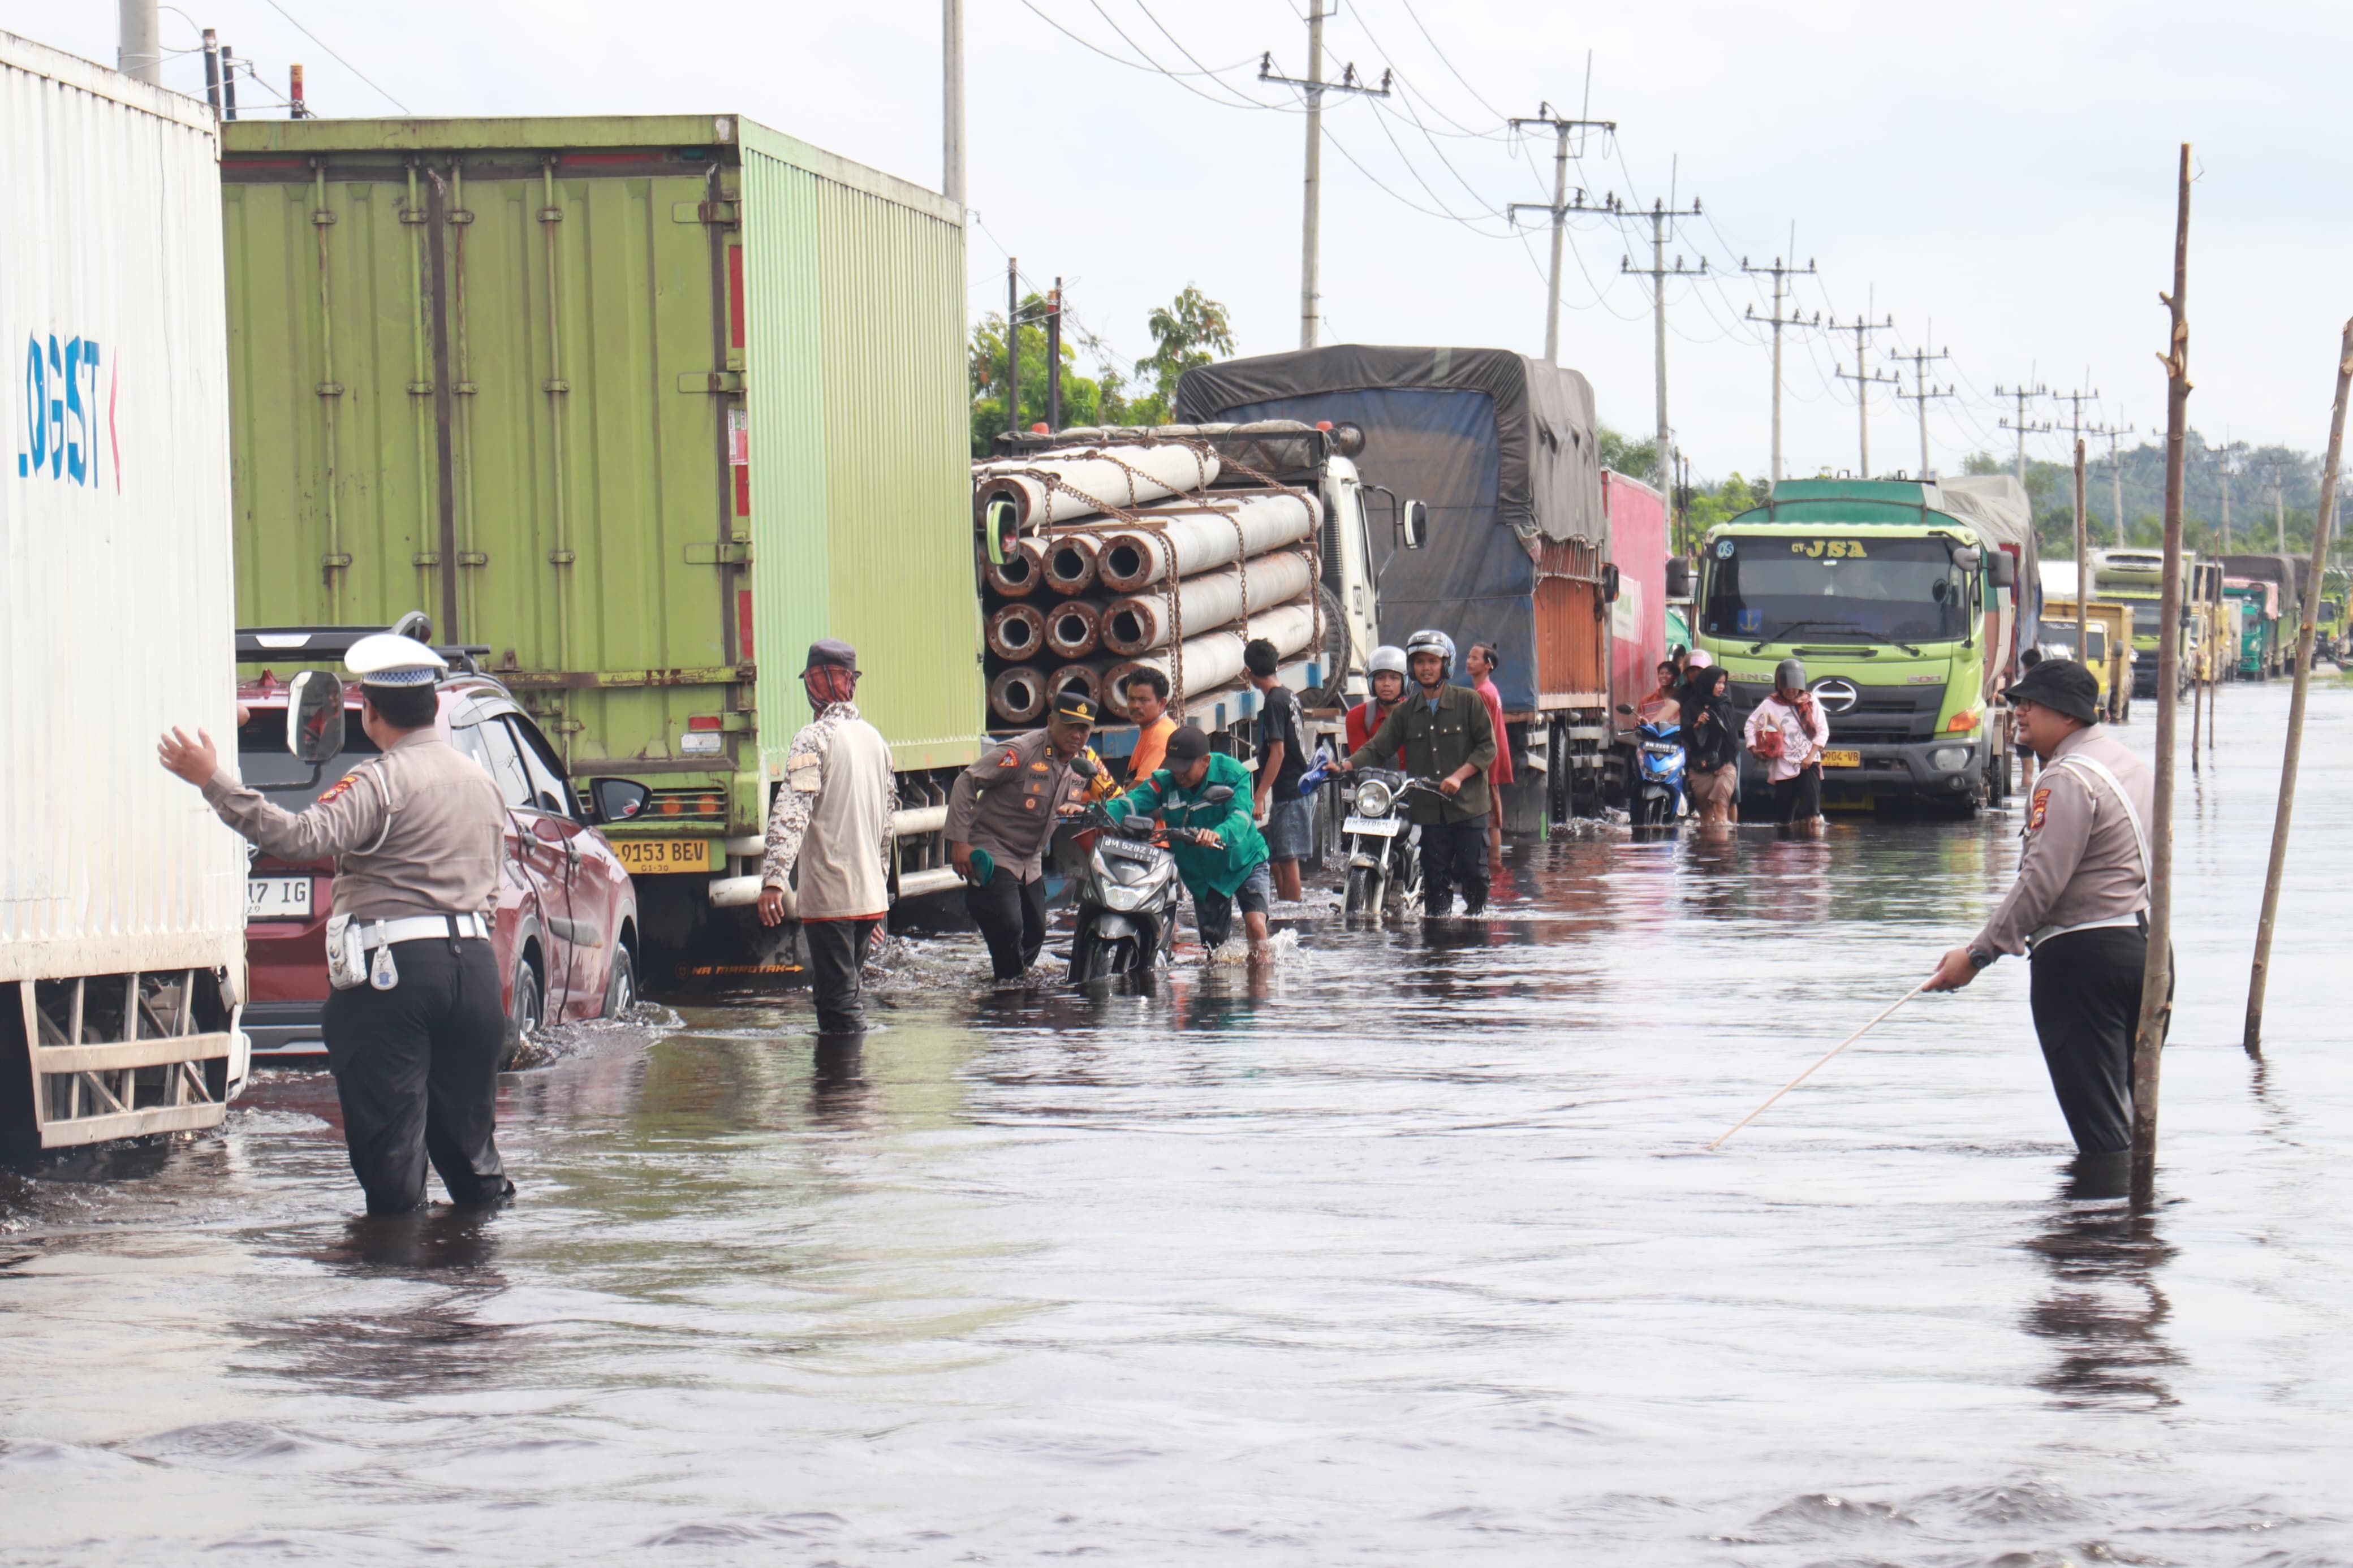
pixel 1147 704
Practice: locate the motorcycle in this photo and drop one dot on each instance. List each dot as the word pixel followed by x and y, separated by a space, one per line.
pixel 1656 795
pixel 1381 846
pixel 1128 894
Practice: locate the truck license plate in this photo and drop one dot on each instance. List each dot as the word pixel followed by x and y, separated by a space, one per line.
pixel 1842 759
pixel 276 898
pixel 659 856
pixel 1376 826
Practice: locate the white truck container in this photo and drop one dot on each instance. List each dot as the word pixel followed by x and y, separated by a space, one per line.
pixel 122 897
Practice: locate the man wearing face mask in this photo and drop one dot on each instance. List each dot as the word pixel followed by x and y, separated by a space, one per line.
pixel 831 821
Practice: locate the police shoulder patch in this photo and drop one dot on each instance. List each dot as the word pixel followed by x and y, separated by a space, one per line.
pixel 1011 759
pixel 340 788
pixel 2041 805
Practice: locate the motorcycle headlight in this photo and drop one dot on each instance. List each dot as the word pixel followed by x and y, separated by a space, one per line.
pixel 1373 799
pixel 1120 896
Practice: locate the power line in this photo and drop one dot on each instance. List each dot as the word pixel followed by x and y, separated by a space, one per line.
pixel 1780 276
pixel 1922 393
pixel 1864 379
pixel 338 58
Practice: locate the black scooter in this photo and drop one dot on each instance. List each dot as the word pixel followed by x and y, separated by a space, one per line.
pixel 1128 893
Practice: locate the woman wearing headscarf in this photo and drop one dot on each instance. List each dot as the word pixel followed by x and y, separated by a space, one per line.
pixel 1711 745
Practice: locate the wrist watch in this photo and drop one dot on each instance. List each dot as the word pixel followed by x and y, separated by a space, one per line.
pixel 1980 958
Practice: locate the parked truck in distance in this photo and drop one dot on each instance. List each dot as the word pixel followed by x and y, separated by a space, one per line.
pixel 1904 600
pixel 644 404
pixel 1505 451
pixel 2285 609
pixel 122 897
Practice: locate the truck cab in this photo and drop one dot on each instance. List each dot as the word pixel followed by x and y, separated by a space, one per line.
pixel 1902 610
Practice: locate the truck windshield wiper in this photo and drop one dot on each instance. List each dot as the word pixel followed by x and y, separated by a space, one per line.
pixel 1783 635
pixel 1907 647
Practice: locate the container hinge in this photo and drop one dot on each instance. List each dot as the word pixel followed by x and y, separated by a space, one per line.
pixel 473 558
pixel 412 214
pixel 550 214
pixel 336 563
pixel 322 218
pixel 330 389
pixel 711 380
pixel 552 385
pixel 562 557
pixel 459 215
pixel 420 388
pixel 426 558
pixel 702 211
pixel 737 553
pixel 463 388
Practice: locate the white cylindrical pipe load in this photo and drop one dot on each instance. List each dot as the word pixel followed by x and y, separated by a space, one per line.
pixel 1136 624
pixel 1048 489
pixel 1070 562
pixel 1215 657
pixel 1130 559
pixel 1017 576
pixel 1017 631
pixel 1074 627
pixel 1018 694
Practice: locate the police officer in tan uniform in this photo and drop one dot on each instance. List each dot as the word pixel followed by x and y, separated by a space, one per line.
pixel 414 1024
pixel 1007 804
pixel 2081 903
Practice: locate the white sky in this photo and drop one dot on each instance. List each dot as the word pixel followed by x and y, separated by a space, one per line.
pixel 2009 176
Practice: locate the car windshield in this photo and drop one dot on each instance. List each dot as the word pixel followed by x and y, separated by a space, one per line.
pixel 2148 617
pixel 1817 589
pixel 263 760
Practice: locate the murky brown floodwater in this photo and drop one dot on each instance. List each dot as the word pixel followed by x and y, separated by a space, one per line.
pixel 1404 1253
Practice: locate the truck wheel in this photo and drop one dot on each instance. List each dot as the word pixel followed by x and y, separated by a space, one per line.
pixel 1359 899
pixel 621 987
pixel 524 1012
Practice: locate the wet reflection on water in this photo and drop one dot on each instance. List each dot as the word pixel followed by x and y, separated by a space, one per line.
pixel 1400 1249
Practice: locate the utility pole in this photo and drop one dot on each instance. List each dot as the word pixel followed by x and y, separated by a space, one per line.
pixel 1781 275
pixel 1922 392
pixel 1560 209
pixel 1657 272
pixel 2279 506
pixel 1013 344
pixel 2226 490
pixel 213 71
pixel 139 43
pixel 952 101
pixel 1315 87
pixel 1054 358
pixel 2116 482
pixel 2024 427
pixel 2078 429
pixel 1863 378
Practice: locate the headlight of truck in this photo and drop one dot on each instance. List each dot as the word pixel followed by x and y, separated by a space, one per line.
pixel 1949 759
pixel 1373 799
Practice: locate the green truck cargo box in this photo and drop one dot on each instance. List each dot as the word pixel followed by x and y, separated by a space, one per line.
pixel 642 405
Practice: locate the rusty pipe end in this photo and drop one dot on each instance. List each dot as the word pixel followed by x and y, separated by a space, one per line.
pixel 1070 563
pixel 1018 695
pixel 1017 631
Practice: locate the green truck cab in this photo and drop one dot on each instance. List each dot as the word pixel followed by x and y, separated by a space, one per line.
pixel 1901 596
pixel 2137 578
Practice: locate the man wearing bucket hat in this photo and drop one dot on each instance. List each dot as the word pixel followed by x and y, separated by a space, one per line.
pixel 1001 815
pixel 2080 906
pixel 414 1023
pixel 831 821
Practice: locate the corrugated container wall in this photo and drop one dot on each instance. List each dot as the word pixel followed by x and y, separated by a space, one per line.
pixel 114 526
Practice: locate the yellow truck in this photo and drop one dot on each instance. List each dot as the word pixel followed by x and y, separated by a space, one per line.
pixel 2109 652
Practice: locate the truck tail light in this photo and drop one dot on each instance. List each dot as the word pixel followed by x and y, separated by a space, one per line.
pixel 705 722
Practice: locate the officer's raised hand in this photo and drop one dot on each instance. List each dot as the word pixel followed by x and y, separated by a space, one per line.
pixel 195 761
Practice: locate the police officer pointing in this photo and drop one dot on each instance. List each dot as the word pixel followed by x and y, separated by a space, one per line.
pixel 2081 903
pixel 414 1023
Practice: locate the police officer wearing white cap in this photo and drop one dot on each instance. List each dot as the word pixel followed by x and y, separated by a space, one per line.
pixel 414 1023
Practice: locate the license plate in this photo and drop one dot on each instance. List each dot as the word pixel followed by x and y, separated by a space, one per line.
pixel 1376 826
pixel 1842 759
pixel 659 856
pixel 276 898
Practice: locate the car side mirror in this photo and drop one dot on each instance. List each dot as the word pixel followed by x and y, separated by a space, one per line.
pixel 1679 578
pixel 2005 569
pixel 314 717
pixel 1627 708
pixel 1413 524
pixel 616 800
pixel 1085 766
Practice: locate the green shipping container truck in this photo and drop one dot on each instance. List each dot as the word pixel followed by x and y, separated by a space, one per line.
pixel 641 405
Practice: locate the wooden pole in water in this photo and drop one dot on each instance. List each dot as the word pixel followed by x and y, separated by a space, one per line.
pixel 2322 521
pixel 2156 977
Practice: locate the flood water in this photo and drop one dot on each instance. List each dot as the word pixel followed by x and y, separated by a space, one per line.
pixel 1404 1252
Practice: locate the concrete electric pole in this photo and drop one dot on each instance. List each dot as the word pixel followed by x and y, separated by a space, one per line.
pixel 1863 378
pixel 1780 275
pixel 2117 488
pixel 1314 87
pixel 1560 209
pixel 2023 425
pixel 1657 272
pixel 2078 429
pixel 1922 392
pixel 139 49
pixel 952 101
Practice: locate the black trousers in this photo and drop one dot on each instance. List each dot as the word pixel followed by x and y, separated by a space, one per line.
pixel 2085 992
pixel 1012 914
pixel 416 1070
pixel 837 956
pixel 1454 852
pixel 1798 799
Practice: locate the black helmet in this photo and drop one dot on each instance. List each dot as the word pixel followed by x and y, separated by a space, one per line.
pixel 1789 675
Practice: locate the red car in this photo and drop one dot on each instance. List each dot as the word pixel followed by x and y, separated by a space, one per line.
pixel 566 928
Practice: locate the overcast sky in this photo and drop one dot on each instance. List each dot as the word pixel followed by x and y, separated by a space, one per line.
pixel 2004 170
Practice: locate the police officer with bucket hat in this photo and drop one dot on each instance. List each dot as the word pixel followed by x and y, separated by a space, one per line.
pixel 2080 906
pixel 414 1024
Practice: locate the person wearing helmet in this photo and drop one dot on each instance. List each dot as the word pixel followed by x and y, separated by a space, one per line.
pixel 1787 732
pixel 1386 673
pixel 1447 736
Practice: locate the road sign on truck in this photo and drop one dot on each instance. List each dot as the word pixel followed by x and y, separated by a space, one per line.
pixel 122 897
pixel 644 404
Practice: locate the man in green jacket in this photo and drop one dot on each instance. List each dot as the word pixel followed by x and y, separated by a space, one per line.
pixel 1228 864
pixel 1447 735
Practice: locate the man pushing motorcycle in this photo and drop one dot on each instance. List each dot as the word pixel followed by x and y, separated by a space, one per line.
pixel 1221 858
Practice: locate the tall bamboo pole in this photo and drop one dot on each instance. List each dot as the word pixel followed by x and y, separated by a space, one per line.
pixel 2321 523
pixel 2156 977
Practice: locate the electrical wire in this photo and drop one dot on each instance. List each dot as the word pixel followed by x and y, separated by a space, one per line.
pixel 339 60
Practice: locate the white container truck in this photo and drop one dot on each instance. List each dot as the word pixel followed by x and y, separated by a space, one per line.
pixel 121 898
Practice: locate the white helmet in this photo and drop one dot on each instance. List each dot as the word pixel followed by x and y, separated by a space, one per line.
pixel 1390 657
pixel 1430 640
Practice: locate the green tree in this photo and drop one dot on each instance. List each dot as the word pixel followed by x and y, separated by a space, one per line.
pixel 1184 333
pixel 1635 459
